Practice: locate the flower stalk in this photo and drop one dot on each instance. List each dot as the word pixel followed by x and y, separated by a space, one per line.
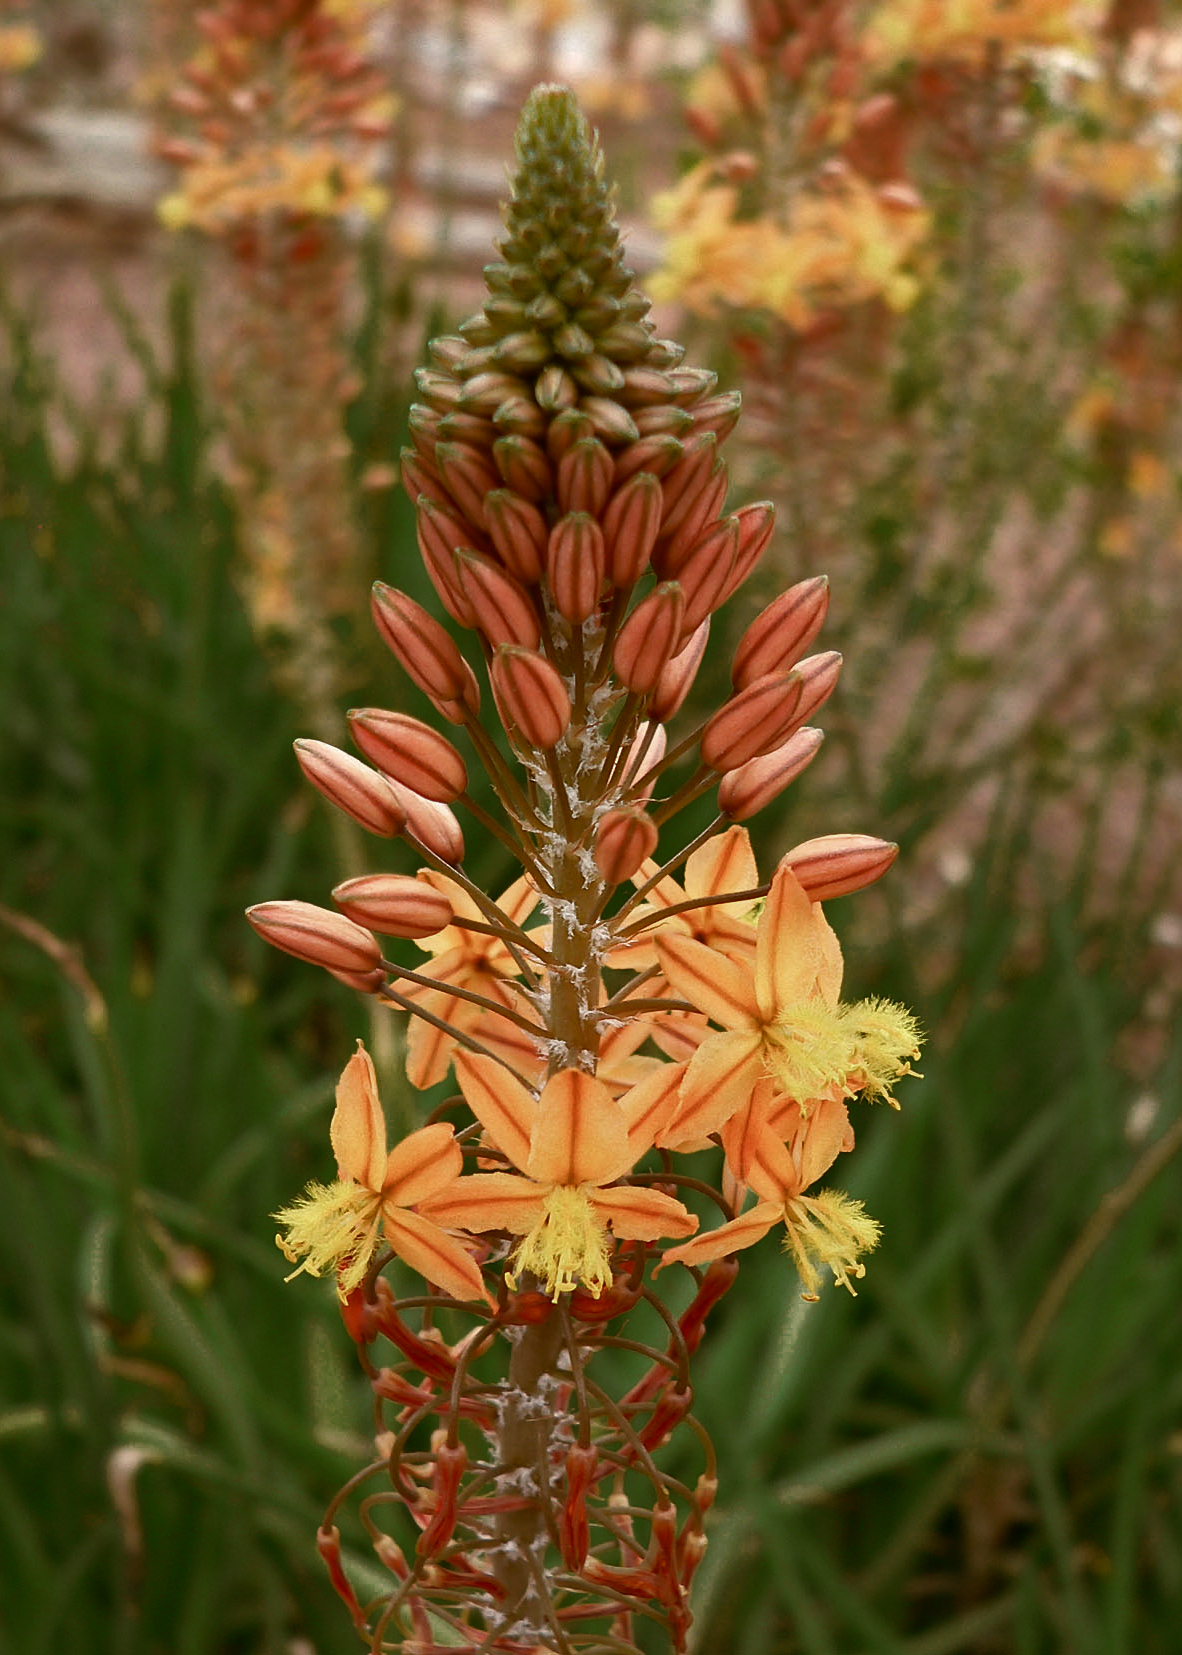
pixel 600 1019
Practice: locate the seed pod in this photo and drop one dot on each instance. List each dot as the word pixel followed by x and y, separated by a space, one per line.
pixel 649 638
pixel 779 634
pixel 432 824
pixel 316 935
pixel 352 786
pixel 518 531
pixel 585 477
pixel 752 722
pixel 624 840
pixel 531 694
pixel 575 563
pixel 745 791
pixel 394 904
pixel 500 605
pixel 838 863
pixel 427 653
pixel 410 752
pixel 631 523
pixel 678 677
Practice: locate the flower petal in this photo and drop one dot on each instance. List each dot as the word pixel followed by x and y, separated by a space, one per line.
pixel 797 955
pixel 755 1152
pixel 828 1134
pixel 724 863
pixel 723 990
pixel 422 1164
pixel 358 1130
pixel 501 1104
pixel 438 1257
pixel 719 1079
pixel 638 1214
pixel 741 1232
pixel 487 1201
pixel 580 1135
pixel 651 1105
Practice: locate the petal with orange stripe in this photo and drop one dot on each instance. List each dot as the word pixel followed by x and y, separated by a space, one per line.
pixel 709 981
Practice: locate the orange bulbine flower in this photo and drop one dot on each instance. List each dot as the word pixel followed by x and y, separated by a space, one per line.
pixel 571 1143
pixel 467 959
pixel 823 1229
pixel 339 1226
pixel 781 1018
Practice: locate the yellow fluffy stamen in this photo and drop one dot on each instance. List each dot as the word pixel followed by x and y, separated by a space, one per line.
pixel 828 1228
pixel 331 1227
pixel 815 1050
pixel 567 1247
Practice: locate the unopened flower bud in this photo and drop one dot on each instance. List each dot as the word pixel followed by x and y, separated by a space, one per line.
pixel 523 466
pixel 818 676
pixel 500 605
pixel 780 634
pixel 585 477
pixel 631 523
pixel 624 840
pixel 395 904
pixel 575 563
pixel 518 531
pixel 468 477
pixel 756 523
pixel 649 637
pixel 744 792
pixel 531 694
pixel 352 786
pixel 752 722
pixel 657 455
pixel 316 935
pixel 570 427
pixel 642 766
pixel 838 863
pixel 684 484
pixel 420 479
pixel 426 651
pixel 610 421
pixel 438 532
pixel 432 824
pixel 719 414
pixel 689 519
pixel 705 572
pixel 678 677
pixel 410 752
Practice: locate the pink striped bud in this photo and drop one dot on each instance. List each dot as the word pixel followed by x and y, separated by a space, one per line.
pixel 609 420
pixel 457 710
pixel 523 466
pixel 575 562
pixel 565 431
pixel 631 523
pixel 585 477
pixel 531 695
pixel 719 414
pixel 689 518
pixel 752 722
pixel 420 477
pixel 644 761
pixel 838 863
pixel 437 543
pixel 394 904
pixel 818 676
pixel 518 531
pixel 780 634
pixel 649 637
pixel 316 935
pixel 519 416
pixel 426 651
pixel 756 523
pixel 468 477
pixel 657 454
pixel 705 573
pixel 683 485
pixel 745 791
pixel 624 840
pixel 500 605
pixel 484 393
pixel 352 786
pixel 362 982
pixel 470 429
pixel 432 824
pixel 678 677
pixel 410 752
pixel 439 391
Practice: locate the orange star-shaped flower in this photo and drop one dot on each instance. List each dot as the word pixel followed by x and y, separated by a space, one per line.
pixel 339 1226
pixel 572 1143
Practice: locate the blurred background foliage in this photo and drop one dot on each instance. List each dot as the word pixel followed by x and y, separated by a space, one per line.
pixel 937 247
